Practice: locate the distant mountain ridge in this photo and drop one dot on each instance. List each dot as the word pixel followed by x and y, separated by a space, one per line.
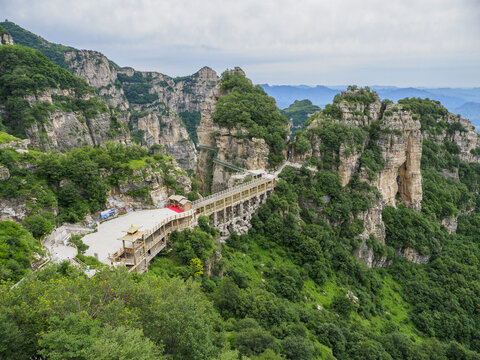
pixel 454 99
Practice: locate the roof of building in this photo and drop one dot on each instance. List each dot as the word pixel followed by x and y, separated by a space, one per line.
pixel 177 197
pixel 132 237
pixel 132 229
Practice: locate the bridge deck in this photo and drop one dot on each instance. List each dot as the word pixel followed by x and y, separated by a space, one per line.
pixel 236 189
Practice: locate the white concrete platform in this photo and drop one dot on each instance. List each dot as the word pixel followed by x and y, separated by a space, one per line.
pixel 104 241
pixel 61 253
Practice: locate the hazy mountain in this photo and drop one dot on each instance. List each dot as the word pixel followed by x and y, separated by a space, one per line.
pixel 470 110
pixel 287 94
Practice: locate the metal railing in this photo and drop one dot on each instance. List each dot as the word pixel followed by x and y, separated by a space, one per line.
pixel 232 190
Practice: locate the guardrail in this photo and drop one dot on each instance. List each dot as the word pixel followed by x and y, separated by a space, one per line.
pixel 167 220
pixel 234 189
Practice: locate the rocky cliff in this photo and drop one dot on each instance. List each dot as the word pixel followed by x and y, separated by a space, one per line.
pixel 156 97
pixel 385 151
pixel 129 92
pixel 232 146
pixel 100 73
pixel 382 145
pixel 64 130
pixel 6 39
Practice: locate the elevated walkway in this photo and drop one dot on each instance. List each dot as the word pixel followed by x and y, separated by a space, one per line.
pixel 220 162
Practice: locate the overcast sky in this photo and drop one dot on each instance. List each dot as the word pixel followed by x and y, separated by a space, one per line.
pixel 328 42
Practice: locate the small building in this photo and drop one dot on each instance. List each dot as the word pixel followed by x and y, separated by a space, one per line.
pixel 179 202
pixel 134 247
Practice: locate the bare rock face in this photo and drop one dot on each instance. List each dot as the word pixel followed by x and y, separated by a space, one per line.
pixel 169 132
pixel 401 144
pixel 450 224
pixel 464 135
pixel 14 209
pixel 187 93
pixel 99 73
pixel 413 256
pixel 66 130
pixel 349 164
pixel 161 125
pixel 92 66
pixel 4 173
pixel 153 179
pixel 6 39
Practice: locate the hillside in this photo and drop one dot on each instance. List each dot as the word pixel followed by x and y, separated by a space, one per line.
pixel 299 112
pixel 156 108
pixel 317 276
pixel 54 109
pixel 366 248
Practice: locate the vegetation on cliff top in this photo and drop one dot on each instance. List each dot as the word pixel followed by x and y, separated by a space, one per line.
pixel 248 106
pixel 27 72
pixel 299 112
pixel 55 52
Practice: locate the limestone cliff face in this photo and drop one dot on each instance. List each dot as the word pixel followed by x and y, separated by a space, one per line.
pixel 153 179
pixel 463 134
pixel 66 130
pixel 186 93
pixel 401 144
pixel 169 131
pixel 175 95
pixel 233 147
pixel 6 39
pixel 399 179
pixel 99 73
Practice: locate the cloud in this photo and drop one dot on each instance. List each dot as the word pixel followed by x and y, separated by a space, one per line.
pixel 308 41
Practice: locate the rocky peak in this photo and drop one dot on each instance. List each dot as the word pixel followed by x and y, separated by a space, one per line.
pixel 386 154
pixel 99 72
pixel 233 146
pixel 401 149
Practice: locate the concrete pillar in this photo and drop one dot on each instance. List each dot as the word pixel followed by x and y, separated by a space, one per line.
pixel 215 219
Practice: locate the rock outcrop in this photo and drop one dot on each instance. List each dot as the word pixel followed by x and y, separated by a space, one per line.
pixel 65 130
pixel 6 39
pixel 233 146
pixel 461 132
pixel 100 73
pixel 399 144
pixel 160 123
pixel 169 132
pixel 185 93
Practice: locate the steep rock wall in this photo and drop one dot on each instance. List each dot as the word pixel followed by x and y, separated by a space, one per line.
pixel 99 73
pixel 161 124
pixel 399 179
pixel 66 130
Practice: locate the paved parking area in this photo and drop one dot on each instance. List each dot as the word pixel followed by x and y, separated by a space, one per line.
pixel 104 241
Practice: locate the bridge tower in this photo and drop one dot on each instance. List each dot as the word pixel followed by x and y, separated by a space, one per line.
pixel 134 248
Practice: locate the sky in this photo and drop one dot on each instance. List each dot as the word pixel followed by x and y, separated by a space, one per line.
pixel 431 43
